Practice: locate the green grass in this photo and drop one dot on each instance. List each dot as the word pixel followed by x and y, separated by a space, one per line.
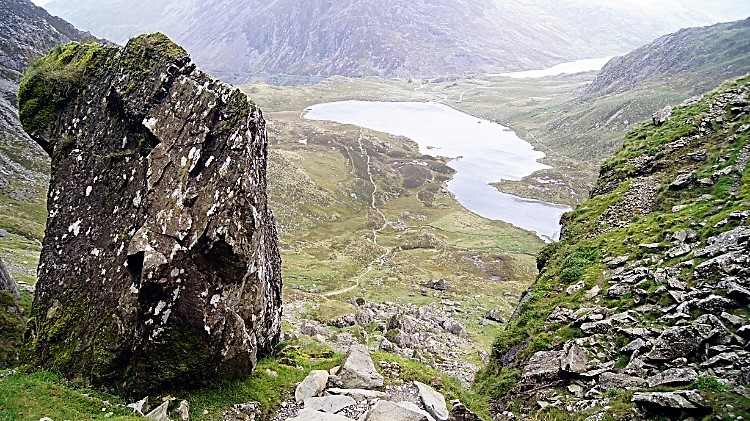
pixel 29 397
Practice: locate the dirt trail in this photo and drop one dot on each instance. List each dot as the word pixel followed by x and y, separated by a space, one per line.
pixel 373 204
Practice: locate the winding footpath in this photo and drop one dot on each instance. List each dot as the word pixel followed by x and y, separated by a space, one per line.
pixel 373 204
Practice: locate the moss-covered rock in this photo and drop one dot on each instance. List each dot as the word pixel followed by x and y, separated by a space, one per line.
pixel 160 265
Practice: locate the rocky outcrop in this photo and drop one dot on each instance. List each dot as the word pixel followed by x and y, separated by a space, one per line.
pixel 647 296
pixel 723 46
pixel 160 265
pixel 329 397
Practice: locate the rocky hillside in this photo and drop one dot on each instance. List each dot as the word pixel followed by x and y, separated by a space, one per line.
pixel 642 308
pixel 292 41
pixel 698 58
pixel 591 123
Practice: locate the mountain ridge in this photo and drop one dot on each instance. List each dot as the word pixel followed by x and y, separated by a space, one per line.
pixel 288 41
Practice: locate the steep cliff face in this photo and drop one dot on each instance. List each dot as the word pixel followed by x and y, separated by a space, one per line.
pixel 160 265
pixel 642 308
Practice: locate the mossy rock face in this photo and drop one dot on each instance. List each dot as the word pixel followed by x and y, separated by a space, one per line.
pixel 160 265
pixel 653 267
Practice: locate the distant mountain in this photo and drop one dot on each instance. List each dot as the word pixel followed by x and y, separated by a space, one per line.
pixel 28 32
pixel 701 57
pixel 590 125
pixel 244 40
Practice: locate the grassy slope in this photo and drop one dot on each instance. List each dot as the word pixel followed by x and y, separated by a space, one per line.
pixel 321 196
pixel 586 242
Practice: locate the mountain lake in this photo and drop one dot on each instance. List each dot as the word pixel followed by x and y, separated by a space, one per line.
pixel 481 152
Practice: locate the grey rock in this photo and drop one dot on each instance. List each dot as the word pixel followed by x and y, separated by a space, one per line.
pixel 732 319
pixel 601 326
pixel 389 411
pixel 679 208
pixel 559 315
pixel 683 181
pixel 248 411
pixel 683 236
pixel 675 342
pixel 438 284
pixel 7 283
pixel 364 316
pixel 415 408
pixel 662 116
pixel 495 315
pixel 358 370
pixel 331 404
pixel 727 358
pixel 402 322
pixel 616 261
pixel 714 304
pixel 312 385
pixel 677 400
pixel 733 240
pixel 360 394
pixel 574 358
pixel 636 345
pixel 699 155
pixel 387 345
pixel 139 407
pixel 312 415
pixel 183 411
pixel 609 380
pixel 744 331
pixel 593 292
pixel 455 327
pixel 673 377
pixel 160 413
pixel 675 283
pixel 738 293
pixel 184 246
pixel 650 246
pixel 575 288
pixel 3 233
pixel 618 290
pixel 679 251
pixel 543 368
pixel 434 402
pixel 405 340
pixel 344 321
pixel 459 412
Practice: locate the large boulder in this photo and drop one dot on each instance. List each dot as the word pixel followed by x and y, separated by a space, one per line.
pixel 358 370
pixel 160 265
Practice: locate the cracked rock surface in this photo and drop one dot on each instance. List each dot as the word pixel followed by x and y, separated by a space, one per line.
pixel 160 265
